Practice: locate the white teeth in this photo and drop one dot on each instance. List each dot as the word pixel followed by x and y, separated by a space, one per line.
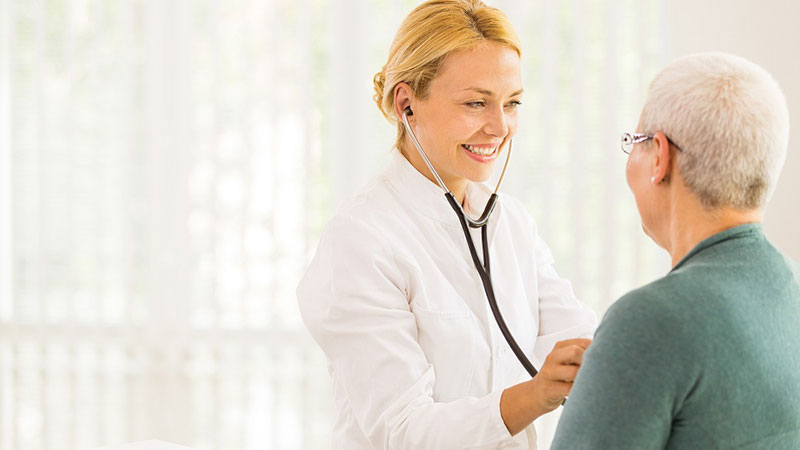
pixel 485 151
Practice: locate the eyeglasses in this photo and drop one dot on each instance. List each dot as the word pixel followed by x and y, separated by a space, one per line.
pixel 629 139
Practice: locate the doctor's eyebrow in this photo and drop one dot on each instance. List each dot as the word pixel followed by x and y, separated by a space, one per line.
pixel 490 93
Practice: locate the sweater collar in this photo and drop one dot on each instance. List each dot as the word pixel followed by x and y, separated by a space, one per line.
pixel 737 232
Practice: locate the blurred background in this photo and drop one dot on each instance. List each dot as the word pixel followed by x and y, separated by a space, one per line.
pixel 166 168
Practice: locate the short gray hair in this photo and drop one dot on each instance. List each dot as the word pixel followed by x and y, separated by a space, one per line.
pixel 730 118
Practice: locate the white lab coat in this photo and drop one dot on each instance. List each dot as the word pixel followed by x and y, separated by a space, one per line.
pixel 395 302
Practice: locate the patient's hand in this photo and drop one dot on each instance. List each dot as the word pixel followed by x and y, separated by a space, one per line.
pixel 555 378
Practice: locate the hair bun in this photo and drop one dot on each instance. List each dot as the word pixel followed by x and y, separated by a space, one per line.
pixel 379 81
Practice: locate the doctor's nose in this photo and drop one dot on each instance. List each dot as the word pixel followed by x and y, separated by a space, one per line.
pixel 496 122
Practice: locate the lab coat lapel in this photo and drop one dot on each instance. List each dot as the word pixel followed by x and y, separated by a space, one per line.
pixel 427 198
pixel 423 195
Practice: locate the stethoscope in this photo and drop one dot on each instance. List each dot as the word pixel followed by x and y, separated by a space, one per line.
pixel 466 223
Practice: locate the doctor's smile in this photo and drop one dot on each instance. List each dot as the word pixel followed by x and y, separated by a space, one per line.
pixel 470 106
pixel 422 364
pixel 399 225
pixel 483 152
pixel 429 279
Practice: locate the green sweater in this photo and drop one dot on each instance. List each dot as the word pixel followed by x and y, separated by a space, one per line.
pixel 707 357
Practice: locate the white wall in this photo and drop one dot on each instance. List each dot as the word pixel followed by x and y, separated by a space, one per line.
pixel 765 32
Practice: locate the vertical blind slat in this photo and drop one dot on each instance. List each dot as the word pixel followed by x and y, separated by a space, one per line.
pixel 6 194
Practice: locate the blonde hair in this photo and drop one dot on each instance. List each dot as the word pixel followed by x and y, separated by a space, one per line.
pixel 730 118
pixel 431 32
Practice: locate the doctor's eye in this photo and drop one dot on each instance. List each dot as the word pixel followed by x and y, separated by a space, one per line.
pixel 513 104
pixel 475 104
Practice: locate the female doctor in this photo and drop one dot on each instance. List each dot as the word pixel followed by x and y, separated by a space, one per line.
pixel 392 296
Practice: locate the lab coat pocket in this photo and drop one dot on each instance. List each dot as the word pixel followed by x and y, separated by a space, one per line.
pixel 448 339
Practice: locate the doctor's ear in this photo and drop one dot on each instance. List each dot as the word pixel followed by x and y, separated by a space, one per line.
pixel 403 97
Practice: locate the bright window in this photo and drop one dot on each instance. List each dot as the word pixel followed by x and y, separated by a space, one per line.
pixel 166 169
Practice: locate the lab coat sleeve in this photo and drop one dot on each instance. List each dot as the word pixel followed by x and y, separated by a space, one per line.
pixel 561 315
pixel 353 301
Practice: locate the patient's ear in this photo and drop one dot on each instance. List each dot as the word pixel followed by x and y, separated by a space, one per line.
pixel 662 162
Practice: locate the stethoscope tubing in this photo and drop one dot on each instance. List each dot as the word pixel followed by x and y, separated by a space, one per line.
pixel 487 211
pixel 488 287
pixel 482 268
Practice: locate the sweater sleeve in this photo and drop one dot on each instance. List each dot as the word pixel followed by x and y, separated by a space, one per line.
pixel 632 376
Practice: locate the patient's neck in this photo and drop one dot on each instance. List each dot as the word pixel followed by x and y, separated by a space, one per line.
pixel 691 223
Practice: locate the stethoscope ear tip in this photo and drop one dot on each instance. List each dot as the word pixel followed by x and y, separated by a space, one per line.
pixel 480 223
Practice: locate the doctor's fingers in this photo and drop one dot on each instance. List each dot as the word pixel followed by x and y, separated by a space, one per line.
pixel 583 343
pixel 562 365
pixel 562 373
pixel 570 354
pixel 554 391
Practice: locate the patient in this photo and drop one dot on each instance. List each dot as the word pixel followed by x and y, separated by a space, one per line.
pixel 709 355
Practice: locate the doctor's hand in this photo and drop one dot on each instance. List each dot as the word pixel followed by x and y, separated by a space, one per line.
pixel 522 404
pixel 554 380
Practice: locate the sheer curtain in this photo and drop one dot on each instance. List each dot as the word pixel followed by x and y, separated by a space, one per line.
pixel 166 169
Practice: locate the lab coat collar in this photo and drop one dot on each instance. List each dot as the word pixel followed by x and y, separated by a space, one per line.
pixel 427 197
